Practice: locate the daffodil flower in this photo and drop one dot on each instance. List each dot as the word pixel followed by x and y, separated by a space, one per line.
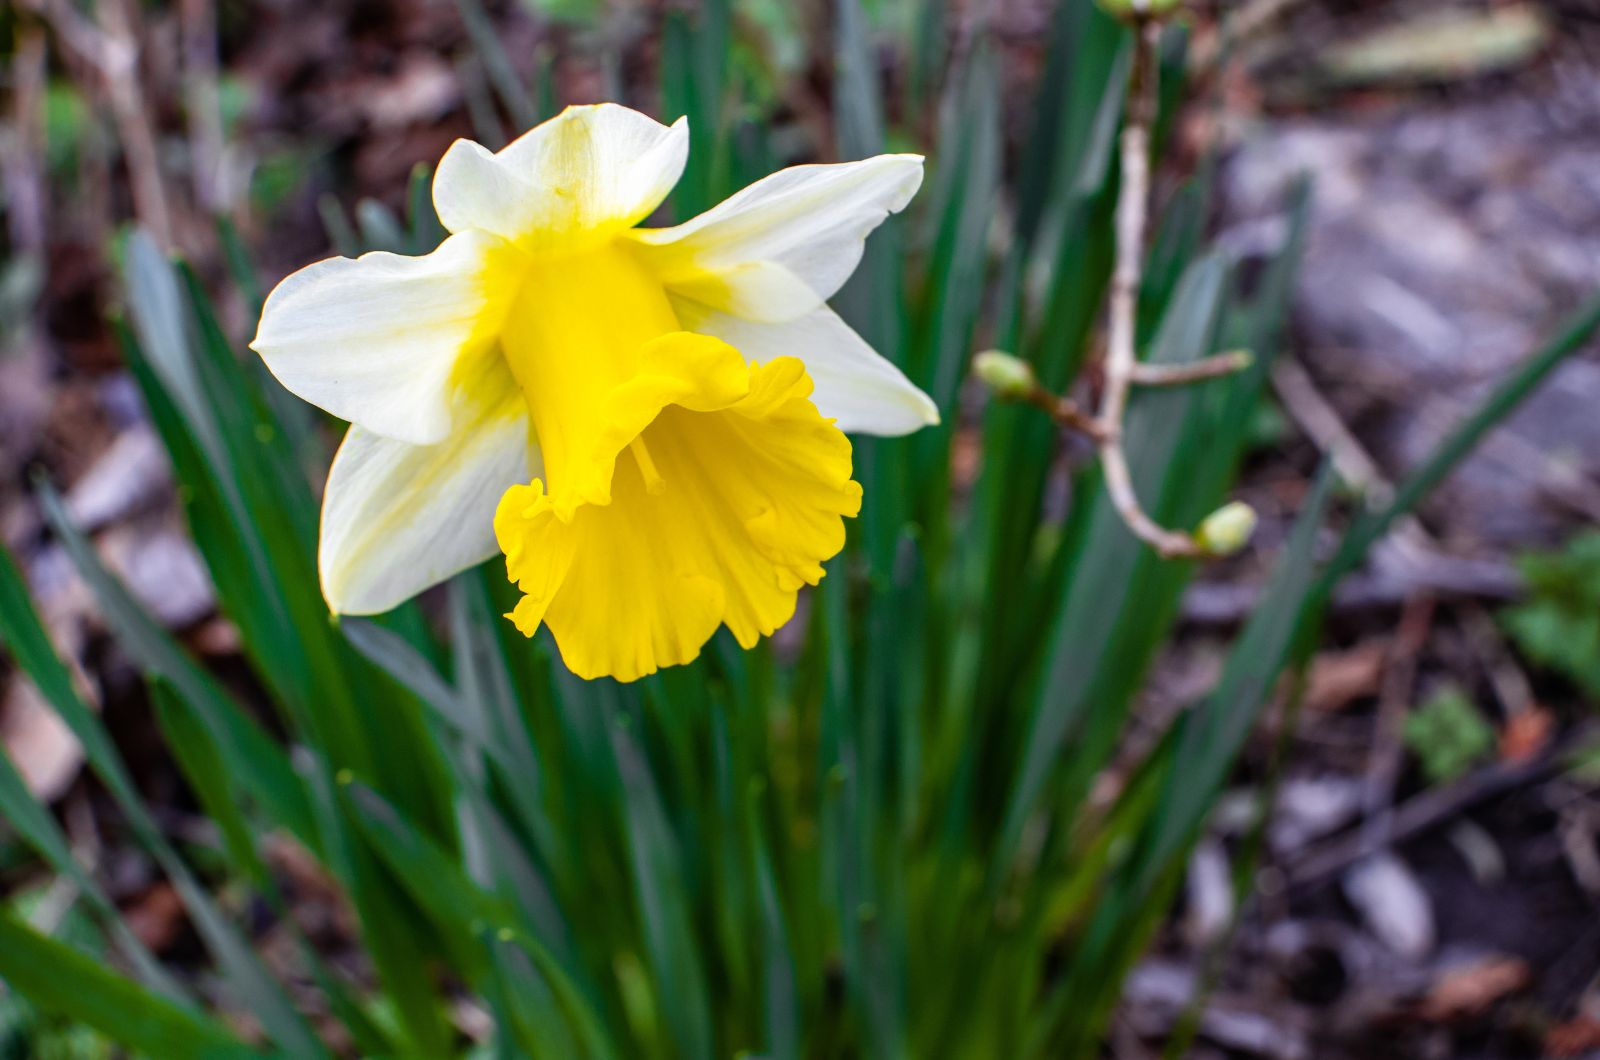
pixel 647 422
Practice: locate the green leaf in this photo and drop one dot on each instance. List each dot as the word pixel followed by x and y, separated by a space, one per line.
pixel 32 821
pixel 694 83
pixel 496 63
pixel 1455 447
pixel 463 910
pixel 259 764
pixel 1104 624
pixel 58 978
pixel 658 880
pixel 1213 734
pixel 202 766
pixel 402 661
pixel 962 199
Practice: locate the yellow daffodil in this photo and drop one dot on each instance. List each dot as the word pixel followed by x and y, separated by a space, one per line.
pixel 647 422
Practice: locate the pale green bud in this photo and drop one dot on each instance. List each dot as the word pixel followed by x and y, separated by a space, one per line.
pixel 1228 529
pixel 1007 375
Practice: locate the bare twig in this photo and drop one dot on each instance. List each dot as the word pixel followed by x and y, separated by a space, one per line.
pixel 1239 25
pixel 1064 411
pixel 1413 545
pixel 22 143
pixel 1511 685
pixel 1422 812
pixel 120 66
pixel 198 21
pixel 1145 374
pixel 1388 740
pixel 111 49
pixel 1227 529
pixel 1120 361
pixel 1577 828
pixel 1323 425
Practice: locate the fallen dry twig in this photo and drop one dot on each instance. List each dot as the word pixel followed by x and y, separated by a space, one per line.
pixel 1426 810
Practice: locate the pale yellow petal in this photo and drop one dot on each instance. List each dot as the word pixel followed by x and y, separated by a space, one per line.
pixel 379 340
pixel 785 244
pixel 855 385
pixel 577 179
pixel 398 518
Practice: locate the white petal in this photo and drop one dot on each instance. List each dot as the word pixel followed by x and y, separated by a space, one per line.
pixel 784 245
pixel 376 339
pixel 855 385
pixel 398 518
pixel 589 170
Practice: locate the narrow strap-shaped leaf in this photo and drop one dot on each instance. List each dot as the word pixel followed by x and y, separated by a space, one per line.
pixel 33 822
pixel 58 978
pixel 20 626
pixel 659 890
pixel 503 76
pixel 461 908
pixel 161 320
pixel 1215 731
pixel 207 774
pixel 1133 900
pixel 247 978
pixel 237 257
pixel 401 957
pixel 1455 447
pixel 780 995
pixel 1101 591
pixel 253 757
pixel 425 232
pixel 395 656
pixel 23 635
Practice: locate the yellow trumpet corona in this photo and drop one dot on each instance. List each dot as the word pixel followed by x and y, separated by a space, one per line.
pixel 648 423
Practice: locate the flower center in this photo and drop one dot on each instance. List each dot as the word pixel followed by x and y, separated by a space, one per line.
pixel 574 334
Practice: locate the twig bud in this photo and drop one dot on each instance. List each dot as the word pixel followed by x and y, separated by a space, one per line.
pixel 1007 375
pixel 1228 529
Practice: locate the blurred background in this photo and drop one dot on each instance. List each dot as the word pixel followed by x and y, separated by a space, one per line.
pixel 1453 148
